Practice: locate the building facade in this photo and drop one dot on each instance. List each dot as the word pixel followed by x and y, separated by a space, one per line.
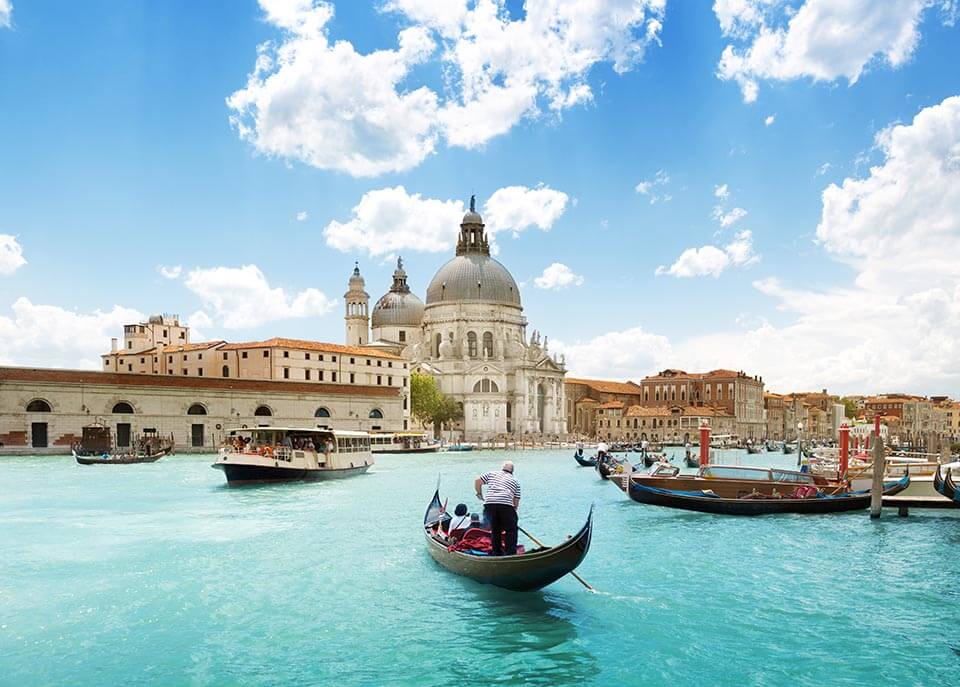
pixel 44 411
pixel 584 396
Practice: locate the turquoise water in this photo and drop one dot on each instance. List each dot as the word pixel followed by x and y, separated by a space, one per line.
pixel 160 575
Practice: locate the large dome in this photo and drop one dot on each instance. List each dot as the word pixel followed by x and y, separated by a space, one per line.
pixel 473 277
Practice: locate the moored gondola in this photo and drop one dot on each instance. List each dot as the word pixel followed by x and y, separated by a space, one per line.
pixel 708 502
pixel 690 460
pixel 944 485
pixel 120 459
pixel 528 571
pixel 584 461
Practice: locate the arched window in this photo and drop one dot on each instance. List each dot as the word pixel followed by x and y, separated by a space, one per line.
pixel 376 414
pixel 472 344
pixel 322 412
pixel 263 411
pixel 196 409
pixel 485 386
pixel 436 345
pixel 38 406
pixel 488 344
pixel 225 372
pixel 123 408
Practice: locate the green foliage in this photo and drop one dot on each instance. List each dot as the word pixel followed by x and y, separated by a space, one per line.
pixel 850 407
pixel 429 405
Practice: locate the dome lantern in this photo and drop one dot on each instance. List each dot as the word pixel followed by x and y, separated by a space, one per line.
pixel 473 239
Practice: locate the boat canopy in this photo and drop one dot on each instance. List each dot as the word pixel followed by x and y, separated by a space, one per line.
pixel 300 430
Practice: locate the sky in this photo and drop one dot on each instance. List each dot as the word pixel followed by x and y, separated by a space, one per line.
pixel 762 185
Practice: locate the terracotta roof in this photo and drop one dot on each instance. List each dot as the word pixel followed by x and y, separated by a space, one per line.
pixel 52 376
pixel 299 344
pixel 607 387
pixel 175 348
pixel 611 405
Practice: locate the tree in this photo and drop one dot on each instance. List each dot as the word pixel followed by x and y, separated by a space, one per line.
pixel 429 405
pixel 850 407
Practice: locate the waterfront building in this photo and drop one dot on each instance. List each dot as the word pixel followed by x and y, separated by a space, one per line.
pixel 470 334
pixel 736 393
pixel 584 397
pixel 44 410
pixel 669 424
pixel 951 418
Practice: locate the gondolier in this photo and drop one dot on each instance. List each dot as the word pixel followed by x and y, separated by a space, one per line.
pixel 500 508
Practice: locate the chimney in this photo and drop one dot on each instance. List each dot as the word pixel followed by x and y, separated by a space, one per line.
pixel 113 345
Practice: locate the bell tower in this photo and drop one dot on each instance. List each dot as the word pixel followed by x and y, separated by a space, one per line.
pixel 356 314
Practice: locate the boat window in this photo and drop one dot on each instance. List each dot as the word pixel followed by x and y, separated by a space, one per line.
pixel 735 472
pixel 781 476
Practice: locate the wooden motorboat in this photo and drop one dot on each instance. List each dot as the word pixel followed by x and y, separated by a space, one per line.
pixel 120 458
pixel 524 572
pixel 96 448
pixel 706 501
pixel 285 454
pixel 584 461
pixel 734 481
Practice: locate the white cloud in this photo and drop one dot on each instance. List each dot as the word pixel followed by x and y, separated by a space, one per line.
pixel 628 354
pixel 822 169
pixel 769 120
pixel 390 220
pixel 824 40
pixel 50 336
pixel 711 260
pixel 170 271
pixel 515 208
pixel 198 320
pixel 721 192
pixel 556 277
pixel 652 188
pixel 6 12
pixel 241 297
pixel 321 102
pixel 302 215
pixel 11 254
pixel 730 218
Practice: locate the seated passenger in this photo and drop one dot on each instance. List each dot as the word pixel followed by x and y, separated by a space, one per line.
pixel 460 521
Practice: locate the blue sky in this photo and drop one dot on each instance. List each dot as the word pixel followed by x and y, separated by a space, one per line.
pixel 617 147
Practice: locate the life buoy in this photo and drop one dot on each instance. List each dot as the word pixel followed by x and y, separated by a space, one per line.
pixel 268 451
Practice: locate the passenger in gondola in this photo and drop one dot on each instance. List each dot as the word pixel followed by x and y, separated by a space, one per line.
pixel 602 450
pixel 500 508
pixel 460 521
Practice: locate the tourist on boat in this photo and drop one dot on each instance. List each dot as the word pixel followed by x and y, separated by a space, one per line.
pixel 579 448
pixel 500 508
pixel 309 446
pixel 461 519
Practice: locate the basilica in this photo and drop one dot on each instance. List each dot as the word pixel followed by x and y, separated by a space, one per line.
pixel 471 336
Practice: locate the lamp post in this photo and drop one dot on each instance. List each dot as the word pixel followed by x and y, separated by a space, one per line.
pixel 799 443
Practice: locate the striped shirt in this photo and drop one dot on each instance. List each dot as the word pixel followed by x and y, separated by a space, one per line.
pixel 502 488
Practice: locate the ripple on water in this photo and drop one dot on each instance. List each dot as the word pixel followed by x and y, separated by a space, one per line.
pixel 158 574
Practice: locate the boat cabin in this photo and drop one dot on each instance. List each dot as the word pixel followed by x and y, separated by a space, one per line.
pixel 310 448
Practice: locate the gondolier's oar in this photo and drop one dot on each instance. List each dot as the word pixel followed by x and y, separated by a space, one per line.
pixel 572 572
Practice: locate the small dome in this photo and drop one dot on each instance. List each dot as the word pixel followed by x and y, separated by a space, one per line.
pixel 397 309
pixel 472 218
pixel 473 277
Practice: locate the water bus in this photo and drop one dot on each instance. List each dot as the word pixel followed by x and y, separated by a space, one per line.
pixel 277 454
pixel 402 442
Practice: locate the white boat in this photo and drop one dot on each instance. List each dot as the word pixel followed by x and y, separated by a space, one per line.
pixel 283 454
pixel 402 442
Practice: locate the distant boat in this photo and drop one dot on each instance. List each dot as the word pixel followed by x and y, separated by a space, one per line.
pixel 120 459
pixel 461 447
pixel 691 461
pixel 96 448
pixel 751 448
pixel 788 449
pixel 402 442
pixel 584 461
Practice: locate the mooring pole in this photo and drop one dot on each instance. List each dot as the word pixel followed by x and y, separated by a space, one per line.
pixel 704 444
pixel 876 491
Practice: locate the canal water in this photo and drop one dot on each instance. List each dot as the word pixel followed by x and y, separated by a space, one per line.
pixel 160 575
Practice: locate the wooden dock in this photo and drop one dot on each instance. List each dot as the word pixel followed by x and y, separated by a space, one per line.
pixel 903 504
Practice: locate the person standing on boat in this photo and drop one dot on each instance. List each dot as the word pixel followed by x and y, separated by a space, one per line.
pixel 500 508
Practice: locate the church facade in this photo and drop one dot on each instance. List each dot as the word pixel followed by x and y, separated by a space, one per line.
pixel 471 335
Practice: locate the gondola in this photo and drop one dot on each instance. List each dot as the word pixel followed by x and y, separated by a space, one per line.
pixel 585 462
pixel 608 466
pixel 650 458
pixel 707 502
pixel 788 449
pixel 944 485
pixel 770 447
pixel 524 572
pixel 753 449
pixel 691 461
pixel 123 459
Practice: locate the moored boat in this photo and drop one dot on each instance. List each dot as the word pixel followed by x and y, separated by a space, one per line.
pixel 284 454
pixel 523 572
pixel 460 447
pixel 690 460
pixel 943 483
pixel 402 442
pixel 96 448
pixel 733 481
pixel 800 501
pixel 583 461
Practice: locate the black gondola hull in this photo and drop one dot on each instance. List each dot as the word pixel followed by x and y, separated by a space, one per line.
pixel 585 462
pixel 726 506
pixel 521 573
pixel 259 474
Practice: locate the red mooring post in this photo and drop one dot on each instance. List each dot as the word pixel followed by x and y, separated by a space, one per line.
pixel 844 450
pixel 704 444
